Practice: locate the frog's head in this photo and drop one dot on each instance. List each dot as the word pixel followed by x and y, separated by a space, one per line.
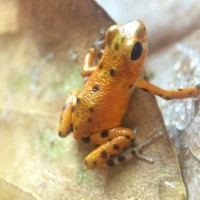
pixel 128 43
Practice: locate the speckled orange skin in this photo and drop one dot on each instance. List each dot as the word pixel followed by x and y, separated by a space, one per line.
pixel 111 101
pixel 95 113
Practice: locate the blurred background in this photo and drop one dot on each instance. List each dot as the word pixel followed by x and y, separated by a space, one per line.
pixel 42 46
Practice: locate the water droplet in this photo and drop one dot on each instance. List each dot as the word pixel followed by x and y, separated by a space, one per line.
pixel 182 116
pixel 189 105
pixel 169 184
pixel 177 66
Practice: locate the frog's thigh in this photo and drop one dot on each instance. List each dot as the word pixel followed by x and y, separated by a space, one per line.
pixel 65 125
pixel 112 142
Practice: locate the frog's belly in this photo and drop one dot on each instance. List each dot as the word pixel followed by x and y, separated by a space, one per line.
pixel 94 116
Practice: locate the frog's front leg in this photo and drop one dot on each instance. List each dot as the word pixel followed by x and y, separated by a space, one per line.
pixel 93 53
pixel 109 143
pixel 169 94
pixel 88 69
pixel 65 126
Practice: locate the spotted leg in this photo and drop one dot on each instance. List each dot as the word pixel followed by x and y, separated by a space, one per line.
pixel 115 147
pixel 169 94
pixel 110 143
pixel 65 126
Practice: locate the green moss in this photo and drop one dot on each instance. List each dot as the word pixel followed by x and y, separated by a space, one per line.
pixel 81 176
pixel 51 145
pixel 70 79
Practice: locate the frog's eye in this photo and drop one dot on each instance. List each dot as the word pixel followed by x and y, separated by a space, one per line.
pixel 137 50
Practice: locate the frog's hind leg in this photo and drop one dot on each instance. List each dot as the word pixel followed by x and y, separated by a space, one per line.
pixel 110 143
pixel 114 147
pixel 65 126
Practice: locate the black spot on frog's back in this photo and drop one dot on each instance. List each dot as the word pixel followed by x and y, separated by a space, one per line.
pixel 112 72
pixel 95 88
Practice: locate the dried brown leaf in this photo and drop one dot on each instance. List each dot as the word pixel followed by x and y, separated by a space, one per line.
pixel 190 157
pixel 182 63
pixel 41 62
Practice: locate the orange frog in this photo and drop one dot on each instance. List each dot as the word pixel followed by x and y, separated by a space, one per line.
pixel 94 113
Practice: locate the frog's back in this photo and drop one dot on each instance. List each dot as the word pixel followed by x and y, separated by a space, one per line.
pixel 101 104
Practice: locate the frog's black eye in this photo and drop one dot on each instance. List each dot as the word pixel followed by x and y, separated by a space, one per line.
pixel 136 51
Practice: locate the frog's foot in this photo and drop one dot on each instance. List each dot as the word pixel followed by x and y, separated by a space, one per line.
pixel 110 143
pixel 142 145
pixel 135 151
pixel 65 126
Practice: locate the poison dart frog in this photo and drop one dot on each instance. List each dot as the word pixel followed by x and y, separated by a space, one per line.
pixel 94 113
